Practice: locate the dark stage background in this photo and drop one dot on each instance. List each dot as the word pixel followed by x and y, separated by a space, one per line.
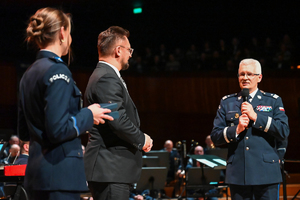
pixel 172 105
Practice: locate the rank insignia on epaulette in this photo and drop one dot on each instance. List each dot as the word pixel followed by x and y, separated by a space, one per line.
pixel 56 59
pixel 225 97
pixel 59 59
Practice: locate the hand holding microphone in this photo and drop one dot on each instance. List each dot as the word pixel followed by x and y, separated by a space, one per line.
pixel 243 119
pixel 246 107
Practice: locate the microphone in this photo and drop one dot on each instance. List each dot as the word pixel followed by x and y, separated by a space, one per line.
pixel 245 94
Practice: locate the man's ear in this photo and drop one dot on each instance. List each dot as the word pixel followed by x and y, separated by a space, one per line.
pixel 118 51
pixel 259 78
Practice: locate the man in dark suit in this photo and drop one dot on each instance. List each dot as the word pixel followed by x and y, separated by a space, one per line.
pixel 252 131
pixel 113 157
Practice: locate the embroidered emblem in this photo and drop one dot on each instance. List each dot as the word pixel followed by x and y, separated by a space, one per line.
pixel 264 108
pixel 59 76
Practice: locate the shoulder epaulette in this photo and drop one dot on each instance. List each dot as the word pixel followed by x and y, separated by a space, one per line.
pixel 57 59
pixel 275 96
pixel 229 96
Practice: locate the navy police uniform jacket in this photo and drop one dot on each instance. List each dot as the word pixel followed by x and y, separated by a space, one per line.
pixel 51 117
pixel 253 157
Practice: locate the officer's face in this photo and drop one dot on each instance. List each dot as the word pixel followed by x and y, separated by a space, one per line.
pixel 248 77
pixel 126 54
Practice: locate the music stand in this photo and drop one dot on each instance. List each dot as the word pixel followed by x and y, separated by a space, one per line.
pixel 207 176
pixel 222 153
pixel 152 178
pixel 163 157
pixel 211 161
pixel 150 161
pixel 203 179
pixel 2 147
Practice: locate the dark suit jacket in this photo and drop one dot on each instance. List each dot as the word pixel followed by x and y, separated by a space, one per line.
pixel 113 152
pixel 252 156
pixel 51 117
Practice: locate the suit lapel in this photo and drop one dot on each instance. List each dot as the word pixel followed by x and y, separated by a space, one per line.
pixel 124 88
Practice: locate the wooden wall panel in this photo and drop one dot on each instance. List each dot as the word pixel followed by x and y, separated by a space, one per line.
pixel 8 82
pixel 177 107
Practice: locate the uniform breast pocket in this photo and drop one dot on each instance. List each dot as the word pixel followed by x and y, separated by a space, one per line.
pixel 232 118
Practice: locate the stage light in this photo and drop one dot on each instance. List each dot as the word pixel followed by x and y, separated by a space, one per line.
pixel 137 10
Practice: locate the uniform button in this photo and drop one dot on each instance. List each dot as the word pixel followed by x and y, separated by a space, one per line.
pixel 231 118
pixel 231 139
pixel 79 153
pixel 247 148
pixel 260 127
pixel 247 138
pixel 273 160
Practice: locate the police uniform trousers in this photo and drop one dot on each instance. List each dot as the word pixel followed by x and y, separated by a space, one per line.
pixel 254 192
pixel 109 191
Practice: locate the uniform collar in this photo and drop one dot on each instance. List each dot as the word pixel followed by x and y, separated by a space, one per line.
pixel 45 54
pixel 253 93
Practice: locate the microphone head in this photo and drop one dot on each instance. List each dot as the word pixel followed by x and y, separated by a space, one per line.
pixel 245 94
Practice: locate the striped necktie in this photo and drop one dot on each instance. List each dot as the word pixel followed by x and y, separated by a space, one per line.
pixel 123 82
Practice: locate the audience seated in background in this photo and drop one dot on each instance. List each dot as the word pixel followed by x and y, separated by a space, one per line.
pixel 218 55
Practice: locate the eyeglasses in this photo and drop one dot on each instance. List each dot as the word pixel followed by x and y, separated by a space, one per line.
pixel 129 49
pixel 249 75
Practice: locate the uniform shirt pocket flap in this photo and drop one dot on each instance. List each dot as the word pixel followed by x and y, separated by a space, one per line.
pixel 270 157
pixel 232 116
pixel 69 151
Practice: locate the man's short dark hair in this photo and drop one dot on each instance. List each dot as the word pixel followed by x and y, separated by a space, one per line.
pixel 108 38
